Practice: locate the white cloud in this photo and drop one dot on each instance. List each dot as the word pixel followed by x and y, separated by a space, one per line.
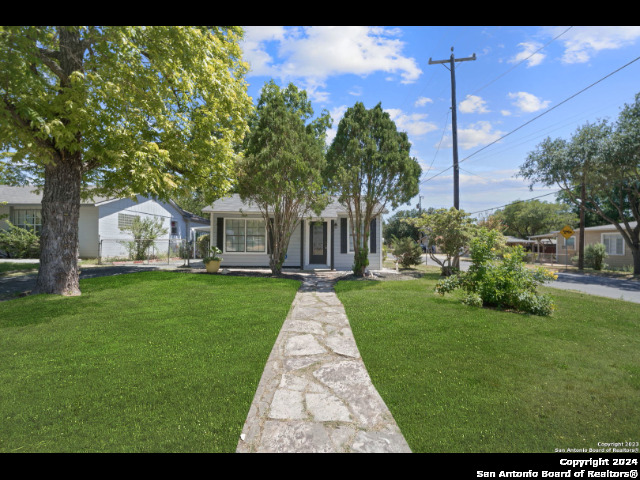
pixel 473 104
pixel 480 133
pixel 414 124
pixel 313 54
pixel 528 48
pixel 422 101
pixel 528 102
pixel 583 42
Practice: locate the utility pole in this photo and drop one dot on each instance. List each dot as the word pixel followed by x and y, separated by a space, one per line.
pixel 454 126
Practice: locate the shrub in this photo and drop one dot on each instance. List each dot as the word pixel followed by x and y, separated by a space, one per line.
pixel 504 284
pixel 203 245
pixel 145 232
pixel 18 242
pixel 407 251
pixel 594 255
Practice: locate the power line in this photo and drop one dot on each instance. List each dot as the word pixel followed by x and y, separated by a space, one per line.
pixel 521 62
pixel 517 201
pixel 535 118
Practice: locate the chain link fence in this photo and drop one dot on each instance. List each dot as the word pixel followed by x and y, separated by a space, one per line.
pixel 168 251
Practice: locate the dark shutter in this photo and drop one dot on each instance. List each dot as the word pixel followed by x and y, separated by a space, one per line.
pixel 373 243
pixel 343 235
pixel 301 243
pixel 220 233
pixel 270 236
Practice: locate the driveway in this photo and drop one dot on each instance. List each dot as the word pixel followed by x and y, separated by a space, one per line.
pixel 622 289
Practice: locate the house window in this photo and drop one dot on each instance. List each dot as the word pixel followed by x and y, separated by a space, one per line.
pixel 174 227
pixel 613 243
pixel 125 220
pixel 29 219
pixel 245 236
pixel 350 237
pixel 570 242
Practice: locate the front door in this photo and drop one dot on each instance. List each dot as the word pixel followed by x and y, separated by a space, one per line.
pixel 318 243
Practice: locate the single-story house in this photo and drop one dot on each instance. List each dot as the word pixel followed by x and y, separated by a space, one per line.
pixel 101 219
pixel 619 255
pixel 323 241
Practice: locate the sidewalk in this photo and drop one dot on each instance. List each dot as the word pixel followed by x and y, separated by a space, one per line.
pixel 315 394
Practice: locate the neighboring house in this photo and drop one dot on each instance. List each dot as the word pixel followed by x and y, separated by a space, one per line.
pixel 101 218
pixel 239 230
pixel 618 253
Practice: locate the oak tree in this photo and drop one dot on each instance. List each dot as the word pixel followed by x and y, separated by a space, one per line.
pixel 603 160
pixel 122 110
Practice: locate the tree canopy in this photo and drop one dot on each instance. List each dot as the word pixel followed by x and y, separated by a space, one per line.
pixel 284 158
pixel 369 167
pixel 603 161
pixel 534 217
pixel 123 110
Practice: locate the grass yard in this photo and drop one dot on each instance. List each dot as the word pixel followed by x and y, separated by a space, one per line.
pixel 17 267
pixel 463 379
pixel 143 362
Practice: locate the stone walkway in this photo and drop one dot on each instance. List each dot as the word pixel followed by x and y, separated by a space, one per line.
pixel 315 394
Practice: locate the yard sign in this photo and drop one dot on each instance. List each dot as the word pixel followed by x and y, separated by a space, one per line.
pixel 566 232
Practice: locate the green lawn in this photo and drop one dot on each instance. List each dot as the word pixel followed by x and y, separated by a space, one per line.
pixel 144 362
pixel 10 267
pixel 463 379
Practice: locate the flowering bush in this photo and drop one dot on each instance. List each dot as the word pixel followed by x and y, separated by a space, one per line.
pixel 505 284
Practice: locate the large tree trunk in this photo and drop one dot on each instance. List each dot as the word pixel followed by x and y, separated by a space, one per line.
pixel 635 253
pixel 58 271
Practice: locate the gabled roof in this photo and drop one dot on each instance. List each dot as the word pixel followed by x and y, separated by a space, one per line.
pixel 27 195
pixel 234 204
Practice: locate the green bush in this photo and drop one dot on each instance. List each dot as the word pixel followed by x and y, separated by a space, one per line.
pixel 202 244
pixel 504 284
pixel 145 232
pixel 407 251
pixel 18 242
pixel 594 256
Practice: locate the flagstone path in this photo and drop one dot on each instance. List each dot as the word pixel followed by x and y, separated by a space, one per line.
pixel 315 394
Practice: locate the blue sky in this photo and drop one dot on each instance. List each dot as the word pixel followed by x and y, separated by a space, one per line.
pixel 519 74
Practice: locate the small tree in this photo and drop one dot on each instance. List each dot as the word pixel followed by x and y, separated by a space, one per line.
pixel 450 232
pixel 281 171
pixel 369 166
pixel 145 232
pixel 407 251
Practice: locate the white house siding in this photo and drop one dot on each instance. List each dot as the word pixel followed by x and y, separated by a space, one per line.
pixel 243 259
pixel 111 235
pixel 344 261
pixel 88 239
